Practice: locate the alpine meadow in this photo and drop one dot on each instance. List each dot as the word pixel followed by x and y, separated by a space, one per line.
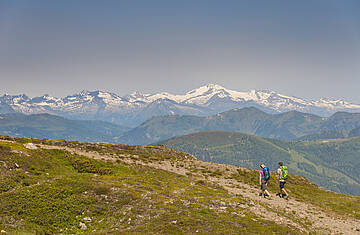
pixel 180 117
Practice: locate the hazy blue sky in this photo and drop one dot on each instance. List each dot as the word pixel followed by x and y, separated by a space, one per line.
pixel 309 49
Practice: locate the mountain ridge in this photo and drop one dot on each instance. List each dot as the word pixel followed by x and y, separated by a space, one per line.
pixel 57 127
pixel 135 108
pixel 290 125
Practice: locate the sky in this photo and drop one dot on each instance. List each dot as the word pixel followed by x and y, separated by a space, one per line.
pixel 308 49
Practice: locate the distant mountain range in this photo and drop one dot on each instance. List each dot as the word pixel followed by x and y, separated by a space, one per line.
pixel 132 110
pixel 291 125
pixel 332 164
pixel 55 127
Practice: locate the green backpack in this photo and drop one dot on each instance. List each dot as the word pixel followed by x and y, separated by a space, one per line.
pixel 284 173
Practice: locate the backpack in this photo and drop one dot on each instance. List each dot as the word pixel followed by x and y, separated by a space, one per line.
pixel 284 173
pixel 266 173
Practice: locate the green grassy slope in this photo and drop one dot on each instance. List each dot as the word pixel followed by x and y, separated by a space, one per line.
pixel 332 164
pixel 159 128
pixel 54 191
pixel 285 126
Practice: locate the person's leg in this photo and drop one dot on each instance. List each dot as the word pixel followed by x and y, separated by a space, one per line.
pixel 261 192
pixel 281 184
pixel 285 194
pixel 263 188
pixel 284 191
pixel 266 193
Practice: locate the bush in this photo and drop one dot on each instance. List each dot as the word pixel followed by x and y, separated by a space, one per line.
pixel 86 165
pixel 101 189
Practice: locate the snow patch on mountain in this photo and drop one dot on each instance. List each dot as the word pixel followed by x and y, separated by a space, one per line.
pixel 137 107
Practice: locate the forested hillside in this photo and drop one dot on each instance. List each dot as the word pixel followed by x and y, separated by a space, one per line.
pixel 55 127
pixel 332 164
pixel 291 125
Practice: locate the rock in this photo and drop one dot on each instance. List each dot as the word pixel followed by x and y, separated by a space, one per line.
pixel 251 203
pixel 186 203
pixel 115 189
pixel 17 165
pixel 30 146
pixel 2 231
pixel 179 191
pixel 242 206
pixel 82 226
pixel 174 222
pixel 87 219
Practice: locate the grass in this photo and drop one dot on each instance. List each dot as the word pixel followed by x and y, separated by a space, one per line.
pixel 54 191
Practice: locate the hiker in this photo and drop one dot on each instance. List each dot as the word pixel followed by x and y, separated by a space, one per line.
pixel 282 173
pixel 264 178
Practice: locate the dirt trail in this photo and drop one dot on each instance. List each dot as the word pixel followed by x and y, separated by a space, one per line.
pixel 303 216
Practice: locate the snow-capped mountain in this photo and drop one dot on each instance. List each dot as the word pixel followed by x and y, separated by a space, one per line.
pixel 135 108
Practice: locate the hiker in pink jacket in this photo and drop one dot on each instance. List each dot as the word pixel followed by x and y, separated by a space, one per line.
pixel 263 182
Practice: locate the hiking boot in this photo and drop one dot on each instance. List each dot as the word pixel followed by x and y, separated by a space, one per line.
pixel 287 197
pixel 279 194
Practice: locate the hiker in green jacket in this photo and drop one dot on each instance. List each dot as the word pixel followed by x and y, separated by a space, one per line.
pixel 282 173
